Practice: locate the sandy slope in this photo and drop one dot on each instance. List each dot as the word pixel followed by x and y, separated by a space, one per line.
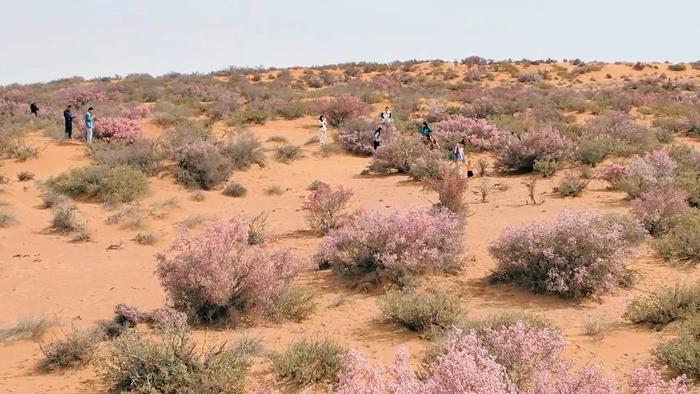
pixel 45 273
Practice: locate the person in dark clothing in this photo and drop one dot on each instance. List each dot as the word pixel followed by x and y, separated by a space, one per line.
pixel 34 109
pixel 68 117
pixel 377 138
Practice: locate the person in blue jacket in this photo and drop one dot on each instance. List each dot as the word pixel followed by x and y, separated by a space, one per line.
pixel 89 124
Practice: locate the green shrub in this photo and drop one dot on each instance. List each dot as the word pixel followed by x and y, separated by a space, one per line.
pixel 24 176
pixel 682 354
pixel 258 232
pixel 52 199
pixel 28 327
pixel 286 153
pixel 136 364
pixel 6 219
pixel 111 185
pixel 76 349
pixel 665 305
pixel 64 219
pixel 145 238
pixel 308 361
pixel 506 319
pixel 546 168
pixel 234 189
pixel 198 196
pixel 592 151
pixel 420 311
pixel 297 304
pixel 143 154
pixel 571 186
pixel 683 241
pixel 243 149
pixel 201 165
pixel 677 67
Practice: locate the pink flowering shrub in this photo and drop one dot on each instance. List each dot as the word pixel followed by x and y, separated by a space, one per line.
pixel 135 113
pixel 78 96
pixel 622 134
pixel 117 129
pixel 613 173
pixel 216 275
pixel 128 315
pixel 648 380
pixel 394 246
pixel 642 173
pixel 324 207
pixel 341 108
pixel 478 133
pixel 168 320
pixel 520 152
pixel 405 154
pixel 558 257
pixel 355 136
pixel 659 208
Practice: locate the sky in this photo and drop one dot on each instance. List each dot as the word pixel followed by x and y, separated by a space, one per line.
pixel 44 40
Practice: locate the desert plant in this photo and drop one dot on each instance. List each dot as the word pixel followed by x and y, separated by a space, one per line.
pixel 482 166
pixel 355 136
pixel 23 176
pixel 286 153
pixel 198 196
pixel 129 217
pixel 274 190
pixel 192 221
pixel 592 151
pixel 676 67
pixel 477 133
pixel 419 310
pixel 145 238
pixel 243 149
pixel 546 168
pixel 201 165
pixel 324 207
pixel 278 139
pixel 32 327
pixel 64 219
pixel 571 185
pixel 399 154
pixel 484 189
pixel 531 186
pixel 143 154
pixel 297 304
pixel 308 361
pixel 175 365
pixel 645 380
pixel 519 153
pixel 234 189
pixel 557 257
pixel 6 219
pixel 340 108
pixel 665 305
pixel 682 353
pixel 396 246
pixel 111 185
pixel 659 209
pixel 76 349
pixel 642 173
pixel 258 233
pixel 117 129
pixel 682 242
pixel 451 186
pixel 216 275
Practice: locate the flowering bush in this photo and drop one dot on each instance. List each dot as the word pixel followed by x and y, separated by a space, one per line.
pixel 682 242
pixel 216 275
pixel 659 208
pixel 648 380
pixel 623 135
pixel 117 129
pixel 340 108
pixel 78 97
pixel 168 320
pixel 356 135
pixel 128 315
pixel 324 207
pixel 451 186
pixel 478 133
pixel 394 246
pixel 404 154
pixel 138 112
pixel 642 173
pixel 613 173
pixel 519 153
pixel 201 164
pixel 557 257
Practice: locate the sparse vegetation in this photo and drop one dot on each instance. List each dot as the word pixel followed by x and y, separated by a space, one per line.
pixel 571 185
pixel 78 348
pixel 24 176
pixel 234 189
pixel 308 361
pixel 287 153
pixel 33 327
pixel 111 185
pixel 665 305
pixel 420 310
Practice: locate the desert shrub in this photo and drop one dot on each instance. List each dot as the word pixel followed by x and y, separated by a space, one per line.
pixel 27 327
pixel 258 233
pixel 341 108
pixel 175 139
pixel 174 365
pixel 420 311
pixel 676 67
pixel 687 172
pixel 529 77
pixel 682 353
pixel 297 304
pixel 649 380
pixel 198 196
pixel 658 209
pixel 274 190
pixel 286 153
pixel 665 305
pixel 243 149
pixel 571 186
pixel 355 136
pixel 201 165
pixel 24 176
pixel 557 257
pixel 325 206
pixel 168 320
pixel 615 133
pixel 278 139
pixel 482 165
pixel 117 129
pixel 613 173
pixel 64 219
pixel 399 154
pixel 477 133
pixel 76 349
pixel 308 361
pixel 394 246
pixel 519 153
pixel 15 147
pixel 682 242
pixel 251 115
pixel 6 219
pixel 451 187
pixel 653 169
pixel 235 189
pixel 293 109
pixel 130 217
pixel 546 168
pixel 111 185
pixel 143 154
pixel 128 315
pixel 216 275
pixel 145 238
pixel 592 151
pixel 506 319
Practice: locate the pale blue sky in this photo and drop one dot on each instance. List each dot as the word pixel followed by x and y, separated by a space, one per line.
pixel 49 39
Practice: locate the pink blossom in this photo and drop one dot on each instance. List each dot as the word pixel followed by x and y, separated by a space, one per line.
pixel 324 207
pixel 648 380
pixel 341 108
pixel 658 208
pixel 478 133
pixel 117 129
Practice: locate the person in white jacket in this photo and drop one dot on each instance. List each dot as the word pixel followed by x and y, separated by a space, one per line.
pixel 323 129
pixel 385 116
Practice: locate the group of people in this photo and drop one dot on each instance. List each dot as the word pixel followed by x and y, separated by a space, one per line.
pixel 88 119
pixel 457 156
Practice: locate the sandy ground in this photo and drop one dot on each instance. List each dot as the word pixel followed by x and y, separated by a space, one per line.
pixel 43 273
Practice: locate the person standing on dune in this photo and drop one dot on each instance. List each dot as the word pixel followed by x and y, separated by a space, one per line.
pixel 68 117
pixel 34 109
pixel 323 129
pixel 89 125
